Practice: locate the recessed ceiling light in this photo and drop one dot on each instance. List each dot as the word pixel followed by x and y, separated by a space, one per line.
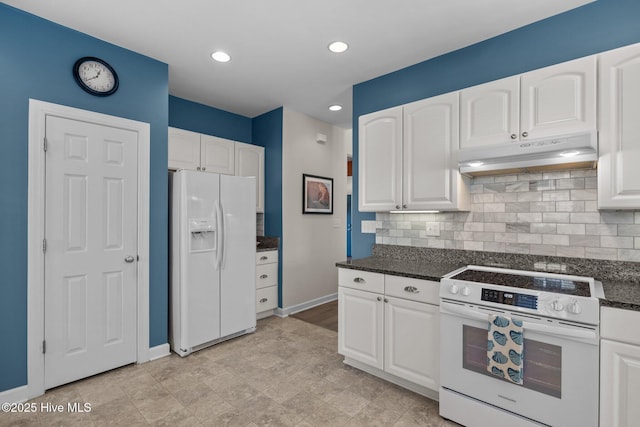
pixel 221 56
pixel 338 47
pixel 335 107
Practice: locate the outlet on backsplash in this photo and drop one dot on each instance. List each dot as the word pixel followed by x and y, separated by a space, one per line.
pixel 550 267
pixel 433 228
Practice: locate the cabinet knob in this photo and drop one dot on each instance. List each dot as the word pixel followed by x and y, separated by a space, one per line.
pixel 379 298
pixel 264 258
pixel 264 276
pixel 404 206
pixel 264 299
pixel 359 280
pixel 198 168
pixel 525 134
pixel 513 136
pixel 397 206
pixel 411 289
pixel 203 168
pixel 386 300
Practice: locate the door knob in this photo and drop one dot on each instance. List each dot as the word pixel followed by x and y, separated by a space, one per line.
pixel 129 259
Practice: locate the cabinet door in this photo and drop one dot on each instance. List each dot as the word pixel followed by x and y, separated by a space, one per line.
pixel 560 99
pixel 184 149
pixel 250 162
pixel 217 155
pixel 412 341
pixel 489 113
pixel 619 133
pixel 360 326
pixel 380 160
pixel 430 170
pixel 619 384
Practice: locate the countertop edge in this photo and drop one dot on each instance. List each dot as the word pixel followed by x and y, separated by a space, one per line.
pixel 604 302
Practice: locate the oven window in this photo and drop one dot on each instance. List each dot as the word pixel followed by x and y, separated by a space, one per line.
pixel 542 362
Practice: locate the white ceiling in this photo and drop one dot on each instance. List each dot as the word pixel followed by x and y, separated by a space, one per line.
pixel 279 47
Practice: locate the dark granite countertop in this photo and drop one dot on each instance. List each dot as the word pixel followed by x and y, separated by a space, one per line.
pixel 413 269
pixel 266 243
pixel 618 293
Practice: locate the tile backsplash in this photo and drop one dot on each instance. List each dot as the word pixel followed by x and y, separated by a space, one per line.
pixel 551 213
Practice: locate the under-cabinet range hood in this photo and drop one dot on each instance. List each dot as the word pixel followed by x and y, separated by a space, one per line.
pixel 578 150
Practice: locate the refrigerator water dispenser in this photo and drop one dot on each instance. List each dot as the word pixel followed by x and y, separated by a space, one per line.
pixel 203 234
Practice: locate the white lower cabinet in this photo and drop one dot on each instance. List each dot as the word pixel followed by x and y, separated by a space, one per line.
pixel 360 326
pixel 393 327
pixel 619 368
pixel 266 283
pixel 411 339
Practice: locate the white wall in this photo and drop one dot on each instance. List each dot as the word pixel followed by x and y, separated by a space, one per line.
pixel 312 244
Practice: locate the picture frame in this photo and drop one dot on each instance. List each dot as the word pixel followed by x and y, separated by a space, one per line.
pixel 317 195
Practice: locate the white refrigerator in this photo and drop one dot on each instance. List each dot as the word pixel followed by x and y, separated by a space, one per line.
pixel 213 256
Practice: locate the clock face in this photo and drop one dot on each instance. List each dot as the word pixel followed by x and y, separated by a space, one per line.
pixel 95 76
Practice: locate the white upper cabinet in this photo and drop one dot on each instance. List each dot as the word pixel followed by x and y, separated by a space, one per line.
pixel 184 149
pixel 558 100
pixel 250 162
pixel 619 132
pixel 217 155
pixel 551 101
pixel 380 160
pixel 489 113
pixel 407 157
pixel 194 151
pixel 430 169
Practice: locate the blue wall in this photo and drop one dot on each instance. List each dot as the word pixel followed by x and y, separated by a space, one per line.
pixel 596 27
pixel 267 132
pixel 200 118
pixel 36 57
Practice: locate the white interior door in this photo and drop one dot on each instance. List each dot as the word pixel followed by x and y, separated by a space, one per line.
pixel 91 240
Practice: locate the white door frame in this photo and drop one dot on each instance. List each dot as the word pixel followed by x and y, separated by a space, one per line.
pixel 38 110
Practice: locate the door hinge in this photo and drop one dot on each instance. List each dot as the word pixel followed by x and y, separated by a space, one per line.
pixel 44 245
pixel 45 145
pixel 44 346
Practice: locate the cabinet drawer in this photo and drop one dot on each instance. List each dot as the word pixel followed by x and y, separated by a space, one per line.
pixel 266 257
pixel 412 289
pixel 620 325
pixel 266 275
pixel 364 280
pixel 266 299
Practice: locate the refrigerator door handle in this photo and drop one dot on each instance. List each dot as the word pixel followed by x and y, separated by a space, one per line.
pixel 223 236
pixel 219 239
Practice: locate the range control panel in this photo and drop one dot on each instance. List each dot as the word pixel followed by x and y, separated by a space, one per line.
pixel 510 298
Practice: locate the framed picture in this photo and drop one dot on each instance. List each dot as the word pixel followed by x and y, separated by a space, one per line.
pixel 317 195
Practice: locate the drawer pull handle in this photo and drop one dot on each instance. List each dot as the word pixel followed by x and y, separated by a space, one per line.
pixel 264 276
pixel 411 289
pixel 379 298
pixel 264 299
pixel 264 258
pixel 359 280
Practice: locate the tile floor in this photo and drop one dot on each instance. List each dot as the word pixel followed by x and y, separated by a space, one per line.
pixel 287 373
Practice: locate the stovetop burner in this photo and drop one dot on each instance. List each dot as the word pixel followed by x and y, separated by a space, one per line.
pixel 537 283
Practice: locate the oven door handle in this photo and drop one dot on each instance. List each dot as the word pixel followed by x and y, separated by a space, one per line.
pixel 457 310
pixel 575 333
pixel 582 334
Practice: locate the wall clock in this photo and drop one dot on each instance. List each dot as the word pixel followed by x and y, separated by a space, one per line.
pixel 95 76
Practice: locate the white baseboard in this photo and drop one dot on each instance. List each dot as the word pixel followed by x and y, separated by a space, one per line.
pixel 15 395
pixel 159 351
pixel 265 314
pixel 284 312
